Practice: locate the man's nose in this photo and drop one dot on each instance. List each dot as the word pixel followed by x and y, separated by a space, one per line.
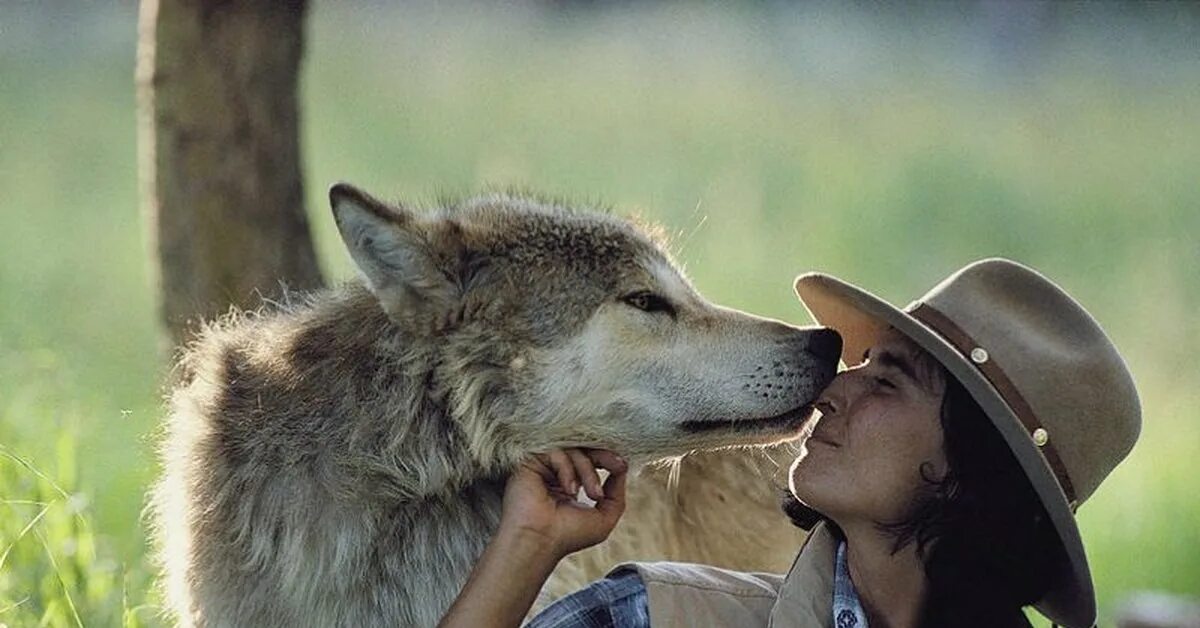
pixel 833 399
pixel 841 392
pixel 826 407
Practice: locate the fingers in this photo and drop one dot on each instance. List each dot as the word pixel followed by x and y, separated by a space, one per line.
pixel 564 470
pixel 539 466
pixel 606 459
pixel 536 474
pixel 572 468
pixel 586 472
pixel 592 525
pixel 613 504
pixel 588 460
pixel 541 495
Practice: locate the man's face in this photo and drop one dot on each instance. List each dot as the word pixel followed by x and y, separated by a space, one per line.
pixel 878 440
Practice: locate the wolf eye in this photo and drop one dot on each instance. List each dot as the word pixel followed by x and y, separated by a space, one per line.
pixel 649 302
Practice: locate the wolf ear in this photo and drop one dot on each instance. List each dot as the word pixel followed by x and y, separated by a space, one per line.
pixel 391 247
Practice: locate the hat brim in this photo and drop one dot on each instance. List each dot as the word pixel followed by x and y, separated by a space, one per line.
pixel 862 318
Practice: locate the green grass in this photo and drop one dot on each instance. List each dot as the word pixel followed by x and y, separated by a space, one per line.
pixel 52 571
pixel 888 150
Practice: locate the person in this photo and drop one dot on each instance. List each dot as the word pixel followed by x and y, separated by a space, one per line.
pixel 939 480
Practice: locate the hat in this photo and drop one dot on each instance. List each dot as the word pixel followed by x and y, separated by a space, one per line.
pixel 1038 365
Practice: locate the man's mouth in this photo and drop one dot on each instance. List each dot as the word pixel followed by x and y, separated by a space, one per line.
pixel 793 419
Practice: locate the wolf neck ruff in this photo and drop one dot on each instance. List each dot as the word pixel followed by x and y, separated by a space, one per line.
pixel 1039 366
pixel 995 375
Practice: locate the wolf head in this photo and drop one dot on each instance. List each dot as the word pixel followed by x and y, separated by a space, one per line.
pixel 556 327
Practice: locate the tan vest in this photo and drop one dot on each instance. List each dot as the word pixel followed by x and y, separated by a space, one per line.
pixel 686 595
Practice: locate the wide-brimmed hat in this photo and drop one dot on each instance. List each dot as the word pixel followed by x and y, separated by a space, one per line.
pixel 1040 367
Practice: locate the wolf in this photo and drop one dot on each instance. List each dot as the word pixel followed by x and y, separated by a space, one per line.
pixel 340 459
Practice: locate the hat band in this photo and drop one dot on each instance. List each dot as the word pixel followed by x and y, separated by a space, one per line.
pixel 995 375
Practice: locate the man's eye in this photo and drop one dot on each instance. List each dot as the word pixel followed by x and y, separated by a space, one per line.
pixel 884 382
pixel 649 302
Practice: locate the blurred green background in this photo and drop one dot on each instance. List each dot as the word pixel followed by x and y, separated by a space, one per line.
pixel 886 147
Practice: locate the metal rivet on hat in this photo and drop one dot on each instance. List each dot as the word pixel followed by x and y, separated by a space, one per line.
pixel 1041 437
pixel 979 355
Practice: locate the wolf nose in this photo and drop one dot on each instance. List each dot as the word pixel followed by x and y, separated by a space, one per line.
pixel 825 344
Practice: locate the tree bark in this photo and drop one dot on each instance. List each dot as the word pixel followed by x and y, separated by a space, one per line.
pixel 219 154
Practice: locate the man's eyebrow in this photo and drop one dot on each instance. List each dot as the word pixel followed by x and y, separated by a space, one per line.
pixel 892 360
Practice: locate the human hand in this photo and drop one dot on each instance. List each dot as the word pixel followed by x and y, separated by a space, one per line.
pixel 540 498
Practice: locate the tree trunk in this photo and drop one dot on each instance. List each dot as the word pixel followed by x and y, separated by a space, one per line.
pixel 219 154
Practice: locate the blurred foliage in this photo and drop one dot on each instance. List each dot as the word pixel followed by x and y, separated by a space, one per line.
pixel 888 149
pixel 51 571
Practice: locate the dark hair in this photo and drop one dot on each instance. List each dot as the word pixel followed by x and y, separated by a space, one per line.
pixel 988 547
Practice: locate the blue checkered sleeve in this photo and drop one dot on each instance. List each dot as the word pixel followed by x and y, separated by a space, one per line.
pixel 617 601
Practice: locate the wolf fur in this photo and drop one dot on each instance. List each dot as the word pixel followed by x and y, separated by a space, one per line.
pixel 340 459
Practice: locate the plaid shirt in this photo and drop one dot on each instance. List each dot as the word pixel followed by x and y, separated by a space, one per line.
pixel 616 601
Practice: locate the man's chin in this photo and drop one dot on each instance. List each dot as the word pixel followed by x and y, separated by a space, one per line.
pixel 795 471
